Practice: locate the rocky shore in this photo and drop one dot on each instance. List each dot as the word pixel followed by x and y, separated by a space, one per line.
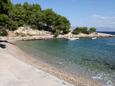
pixel 81 35
pixel 26 33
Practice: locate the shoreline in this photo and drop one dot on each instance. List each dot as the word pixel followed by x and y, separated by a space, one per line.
pixel 77 81
pixel 50 36
pixel 17 72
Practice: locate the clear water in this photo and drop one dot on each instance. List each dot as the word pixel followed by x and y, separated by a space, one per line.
pixel 112 33
pixel 92 58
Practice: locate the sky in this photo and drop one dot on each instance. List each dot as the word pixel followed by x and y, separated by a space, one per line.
pixel 90 13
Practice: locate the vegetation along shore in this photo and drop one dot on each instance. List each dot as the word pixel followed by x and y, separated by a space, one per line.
pixel 30 21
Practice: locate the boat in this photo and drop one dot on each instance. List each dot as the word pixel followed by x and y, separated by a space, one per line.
pixel 94 38
pixel 73 38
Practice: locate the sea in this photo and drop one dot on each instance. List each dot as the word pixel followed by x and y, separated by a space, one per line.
pixel 94 59
pixel 112 32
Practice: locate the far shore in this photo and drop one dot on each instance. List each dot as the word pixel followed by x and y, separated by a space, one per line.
pixel 50 36
pixel 27 33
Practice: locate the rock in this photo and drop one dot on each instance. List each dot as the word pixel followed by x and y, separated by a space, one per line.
pixel 31 32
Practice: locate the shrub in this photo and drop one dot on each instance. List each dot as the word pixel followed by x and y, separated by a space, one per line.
pixel 75 31
pixel 3 19
pixel 66 31
pixel 56 33
pixel 92 29
pixel 20 34
pixel 12 25
pixel 3 32
pixel 80 30
pixel 84 30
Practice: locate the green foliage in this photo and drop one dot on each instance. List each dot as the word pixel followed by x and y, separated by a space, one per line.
pixel 3 20
pixel 49 18
pixel 80 30
pixel 84 30
pixel 12 25
pixel 13 16
pixel 92 29
pixel 32 13
pixel 5 6
pixel 3 32
pixel 5 9
pixel 61 24
pixel 76 31
pixel 56 33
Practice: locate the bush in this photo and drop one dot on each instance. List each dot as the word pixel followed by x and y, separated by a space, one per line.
pixel 75 31
pixel 84 30
pixel 80 30
pixel 3 32
pixel 66 31
pixel 56 33
pixel 92 29
pixel 12 25
pixel 3 19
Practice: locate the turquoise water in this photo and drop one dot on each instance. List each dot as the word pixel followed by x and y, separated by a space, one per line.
pixel 93 58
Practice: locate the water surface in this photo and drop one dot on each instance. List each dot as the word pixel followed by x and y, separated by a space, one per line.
pixel 92 58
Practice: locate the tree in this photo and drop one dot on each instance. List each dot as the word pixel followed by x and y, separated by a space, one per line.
pixel 49 19
pixel 13 16
pixel 55 22
pixel 12 25
pixel 92 29
pixel 5 9
pixel 33 14
pixel 80 30
pixel 62 25
pixel 28 12
pixel 3 20
pixel 76 30
pixel 18 14
pixel 3 32
pixel 84 30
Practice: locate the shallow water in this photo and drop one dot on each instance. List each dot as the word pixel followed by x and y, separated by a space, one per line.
pixel 94 59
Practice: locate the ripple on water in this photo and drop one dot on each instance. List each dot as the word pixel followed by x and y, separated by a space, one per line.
pixel 103 78
pixel 75 56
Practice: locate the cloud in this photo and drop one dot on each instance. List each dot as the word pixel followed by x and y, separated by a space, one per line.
pixel 104 21
pixel 103 17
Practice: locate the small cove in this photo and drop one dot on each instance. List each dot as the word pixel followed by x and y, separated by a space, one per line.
pixel 94 59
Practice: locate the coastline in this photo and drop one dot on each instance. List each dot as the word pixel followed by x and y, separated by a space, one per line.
pixel 16 72
pixel 22 56
pixel 45 37
pixel 81 35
